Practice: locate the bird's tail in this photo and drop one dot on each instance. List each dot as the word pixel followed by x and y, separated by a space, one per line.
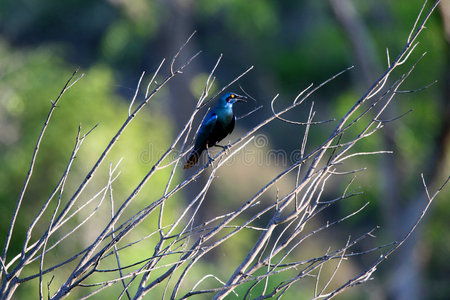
pixel 193 158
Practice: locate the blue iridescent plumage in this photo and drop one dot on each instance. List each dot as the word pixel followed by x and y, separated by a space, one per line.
pixel 218 123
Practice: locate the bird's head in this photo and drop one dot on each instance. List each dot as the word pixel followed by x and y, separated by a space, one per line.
pixel 228 99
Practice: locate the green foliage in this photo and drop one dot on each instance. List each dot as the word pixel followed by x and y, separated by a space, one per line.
pixel 29 81
pixel 291 44
pixel 243 17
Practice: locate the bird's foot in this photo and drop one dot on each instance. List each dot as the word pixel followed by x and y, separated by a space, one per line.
pixel 225 148
pixel 207 153
pixel 210 162
pixel 210 159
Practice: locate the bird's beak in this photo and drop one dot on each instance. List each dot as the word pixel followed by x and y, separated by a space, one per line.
pixel 240 98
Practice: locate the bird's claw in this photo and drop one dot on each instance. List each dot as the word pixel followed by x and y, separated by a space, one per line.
pixel 210 159
pixel 225 148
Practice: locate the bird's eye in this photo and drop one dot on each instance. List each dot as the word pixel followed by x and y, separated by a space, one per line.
pixel 232 96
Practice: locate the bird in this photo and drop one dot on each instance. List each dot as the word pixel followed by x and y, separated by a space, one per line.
pixel 217 124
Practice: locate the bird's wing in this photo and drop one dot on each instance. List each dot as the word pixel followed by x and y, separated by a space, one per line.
pixel 205 131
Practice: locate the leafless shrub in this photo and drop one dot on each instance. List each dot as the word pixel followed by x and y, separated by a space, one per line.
pixel 183 243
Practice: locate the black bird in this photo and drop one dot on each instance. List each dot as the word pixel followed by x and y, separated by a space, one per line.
pixel 217 124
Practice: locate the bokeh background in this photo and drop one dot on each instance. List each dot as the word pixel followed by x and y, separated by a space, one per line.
pixel 290 44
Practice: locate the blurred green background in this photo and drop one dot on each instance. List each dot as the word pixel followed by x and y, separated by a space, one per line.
pixel 291 44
